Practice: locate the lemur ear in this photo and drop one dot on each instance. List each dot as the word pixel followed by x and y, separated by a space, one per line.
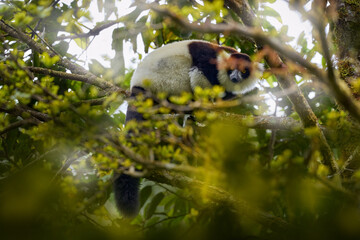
pixel 222 60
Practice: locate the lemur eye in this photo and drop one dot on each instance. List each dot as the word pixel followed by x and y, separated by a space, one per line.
pixel 245 73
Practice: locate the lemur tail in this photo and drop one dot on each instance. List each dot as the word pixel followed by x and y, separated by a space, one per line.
pixel 126 190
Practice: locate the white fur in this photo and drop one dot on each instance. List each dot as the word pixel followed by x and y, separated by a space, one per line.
pixel 167 69
pixel 197 78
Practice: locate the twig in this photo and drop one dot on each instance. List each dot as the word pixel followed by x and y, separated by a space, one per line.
pixel 163 220
pixel 46 43
pixel 66 165
pixel 337 188
pixel 64 75
pixel 187 198
pixel 32 121
pixel 349 160
pixel 92 32
pixel 152 164
pixel 272 138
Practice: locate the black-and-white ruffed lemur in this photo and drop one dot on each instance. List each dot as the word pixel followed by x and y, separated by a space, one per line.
pixel 180 67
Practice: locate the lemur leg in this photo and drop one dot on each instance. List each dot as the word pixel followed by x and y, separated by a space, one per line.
pixel 197 78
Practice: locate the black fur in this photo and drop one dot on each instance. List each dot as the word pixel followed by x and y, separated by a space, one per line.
pixel 126 190
pixel 131 112
pixel 204 58
pixel 241 56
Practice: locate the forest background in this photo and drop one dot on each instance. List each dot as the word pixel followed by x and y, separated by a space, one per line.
pixel 281 162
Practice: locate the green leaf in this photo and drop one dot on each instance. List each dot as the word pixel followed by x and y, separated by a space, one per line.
pixel 168 203
pixel 36 59
pixel 270 80
pixel 145 194
pixel 323 62
pixel 81 42
pixel 153 205
pixel 181 207
pixel 267 25
pixel 47 60
pixel 109 8
pixel 96 67
pixel 146 40
pixel 131 17
pixel 100 5
pixel 284 30
pixel 268 11
pixel 118 36
pixel 301 38
pixel 21 19
pixel 6 12
pixel 62 47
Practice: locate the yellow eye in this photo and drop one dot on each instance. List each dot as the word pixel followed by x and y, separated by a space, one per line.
pixel 243 71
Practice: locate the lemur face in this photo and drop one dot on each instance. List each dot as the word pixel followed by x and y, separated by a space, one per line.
pixel 239 67
pixel 236 72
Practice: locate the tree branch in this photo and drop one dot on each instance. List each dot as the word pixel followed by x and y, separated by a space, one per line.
pixel 148 164
pixel 93 32
pixel 340 90
pixel 263 122
pixel 24 122
pixel 243 10
pixel 19 110
pixel 64 75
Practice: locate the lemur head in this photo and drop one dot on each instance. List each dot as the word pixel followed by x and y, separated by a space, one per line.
pixel 237 71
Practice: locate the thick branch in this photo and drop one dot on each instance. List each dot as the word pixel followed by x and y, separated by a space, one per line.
pixel 243 10
pixel 263 122
pixel 341 91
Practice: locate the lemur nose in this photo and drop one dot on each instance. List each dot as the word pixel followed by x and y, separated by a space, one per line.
pixel 234 80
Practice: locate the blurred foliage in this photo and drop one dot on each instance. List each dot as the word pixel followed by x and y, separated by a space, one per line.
pixel 60 143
